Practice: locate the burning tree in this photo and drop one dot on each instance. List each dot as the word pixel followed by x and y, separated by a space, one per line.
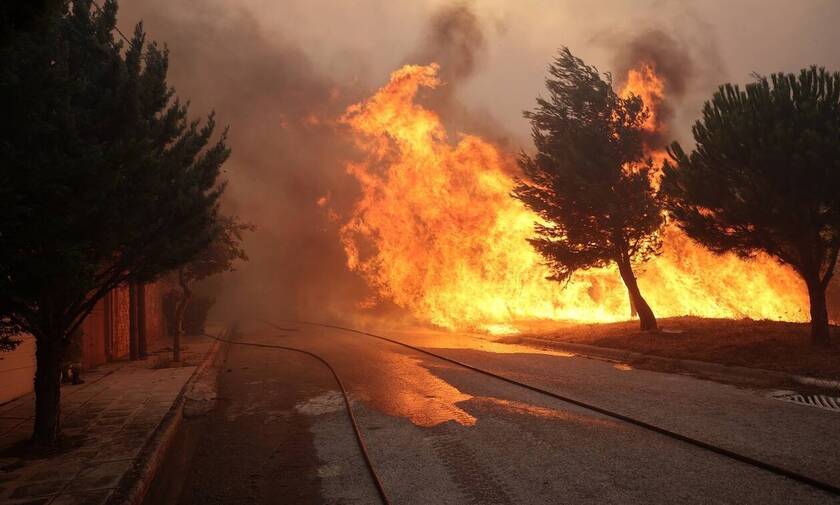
pixel 589 180
pixel 104 180
pixel 765 177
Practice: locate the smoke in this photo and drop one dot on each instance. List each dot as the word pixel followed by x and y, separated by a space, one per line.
pixel 455 38
pixel 287 152
pixel 686 63
pixel 671 61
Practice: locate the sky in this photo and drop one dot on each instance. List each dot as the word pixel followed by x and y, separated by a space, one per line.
pixel 279 72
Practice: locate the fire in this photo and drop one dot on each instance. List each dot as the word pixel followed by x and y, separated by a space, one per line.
pixel 644 83
pixel 436 231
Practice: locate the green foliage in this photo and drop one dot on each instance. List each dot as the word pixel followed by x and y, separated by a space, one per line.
pixel 104 179
pixel 765 175
pixel 589 180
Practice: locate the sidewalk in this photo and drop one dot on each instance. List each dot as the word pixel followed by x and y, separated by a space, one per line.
pixel 106 424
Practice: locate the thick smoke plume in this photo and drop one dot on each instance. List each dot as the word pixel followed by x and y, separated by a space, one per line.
pixel 671 61
pixel 287 152
pixel 455 38
pixel 689 65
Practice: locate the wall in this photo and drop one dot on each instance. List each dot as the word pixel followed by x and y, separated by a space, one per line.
pixel 155 322
pixel 94 334
pixel 119 323
pixel 105 338
pixel 17 369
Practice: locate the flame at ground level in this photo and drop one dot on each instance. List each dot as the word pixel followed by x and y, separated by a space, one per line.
pixel 437 232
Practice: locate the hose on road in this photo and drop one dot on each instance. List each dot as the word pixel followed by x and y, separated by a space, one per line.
pixel 377 482
pixel 769 467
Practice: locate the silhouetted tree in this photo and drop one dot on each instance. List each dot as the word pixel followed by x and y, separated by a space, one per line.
pixel 765 177
pixel 103 180
pixel 589 180
pixel 25 15
pixel 218 257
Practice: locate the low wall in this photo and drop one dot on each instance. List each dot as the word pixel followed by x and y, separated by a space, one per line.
pixel 17 370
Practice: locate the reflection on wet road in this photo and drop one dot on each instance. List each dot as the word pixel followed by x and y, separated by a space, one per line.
pixel 406 388
pixel 442 434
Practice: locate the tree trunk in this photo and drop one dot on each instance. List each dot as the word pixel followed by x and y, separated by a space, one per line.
pixel 819 313
pixel 47 389
pixel 179 316
pixel 647 321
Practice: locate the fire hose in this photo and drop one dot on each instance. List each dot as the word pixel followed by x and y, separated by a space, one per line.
pixel 377 482
pixel 742 458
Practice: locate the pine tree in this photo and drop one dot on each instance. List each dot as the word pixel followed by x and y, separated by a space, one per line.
pixel 103 180
pixel 589 180
pixel 765 177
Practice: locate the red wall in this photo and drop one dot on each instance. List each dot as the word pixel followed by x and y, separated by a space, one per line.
pixel 94 333
pixel 105 338
pixel 155 322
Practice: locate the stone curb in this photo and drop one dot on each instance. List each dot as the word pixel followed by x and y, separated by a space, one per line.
pixel 136 482
pixel 690 365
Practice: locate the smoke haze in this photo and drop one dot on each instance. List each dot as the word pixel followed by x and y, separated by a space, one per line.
pixel 287 151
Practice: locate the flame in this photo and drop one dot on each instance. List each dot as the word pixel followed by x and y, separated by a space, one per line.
pixel 436 231
pixel 644 83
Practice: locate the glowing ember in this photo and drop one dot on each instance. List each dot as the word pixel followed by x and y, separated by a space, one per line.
pixel 437 232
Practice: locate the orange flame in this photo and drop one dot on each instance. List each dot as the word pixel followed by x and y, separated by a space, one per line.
pixel 644 83
pixel 436 231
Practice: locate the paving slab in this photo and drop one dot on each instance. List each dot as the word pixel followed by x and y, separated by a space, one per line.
pixel 106 423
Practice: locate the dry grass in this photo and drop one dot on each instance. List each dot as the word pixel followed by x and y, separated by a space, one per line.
pixel 771 345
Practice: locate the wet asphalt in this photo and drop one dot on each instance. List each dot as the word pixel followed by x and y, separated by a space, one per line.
pixel 440 434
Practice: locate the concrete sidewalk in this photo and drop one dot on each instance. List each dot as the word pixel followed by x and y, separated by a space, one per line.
pixel 108 426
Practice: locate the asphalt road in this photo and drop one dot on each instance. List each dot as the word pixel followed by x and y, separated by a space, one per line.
pixel 441 434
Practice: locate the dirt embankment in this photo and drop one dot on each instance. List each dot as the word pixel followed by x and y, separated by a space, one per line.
pixel 771 345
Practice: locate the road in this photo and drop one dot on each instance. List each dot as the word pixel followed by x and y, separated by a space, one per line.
pixel 441 434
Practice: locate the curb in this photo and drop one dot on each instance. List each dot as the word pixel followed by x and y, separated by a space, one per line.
pixel 135 483
pixel 690 365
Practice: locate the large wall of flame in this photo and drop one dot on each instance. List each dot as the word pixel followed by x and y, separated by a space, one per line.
pixel 436 231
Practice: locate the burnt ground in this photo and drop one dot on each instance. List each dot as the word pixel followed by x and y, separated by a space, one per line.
pixel 253 448
pixel 771 345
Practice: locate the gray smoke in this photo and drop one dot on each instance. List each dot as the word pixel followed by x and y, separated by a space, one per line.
pixel 688 64
pixel 455 39
pixel 287 152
